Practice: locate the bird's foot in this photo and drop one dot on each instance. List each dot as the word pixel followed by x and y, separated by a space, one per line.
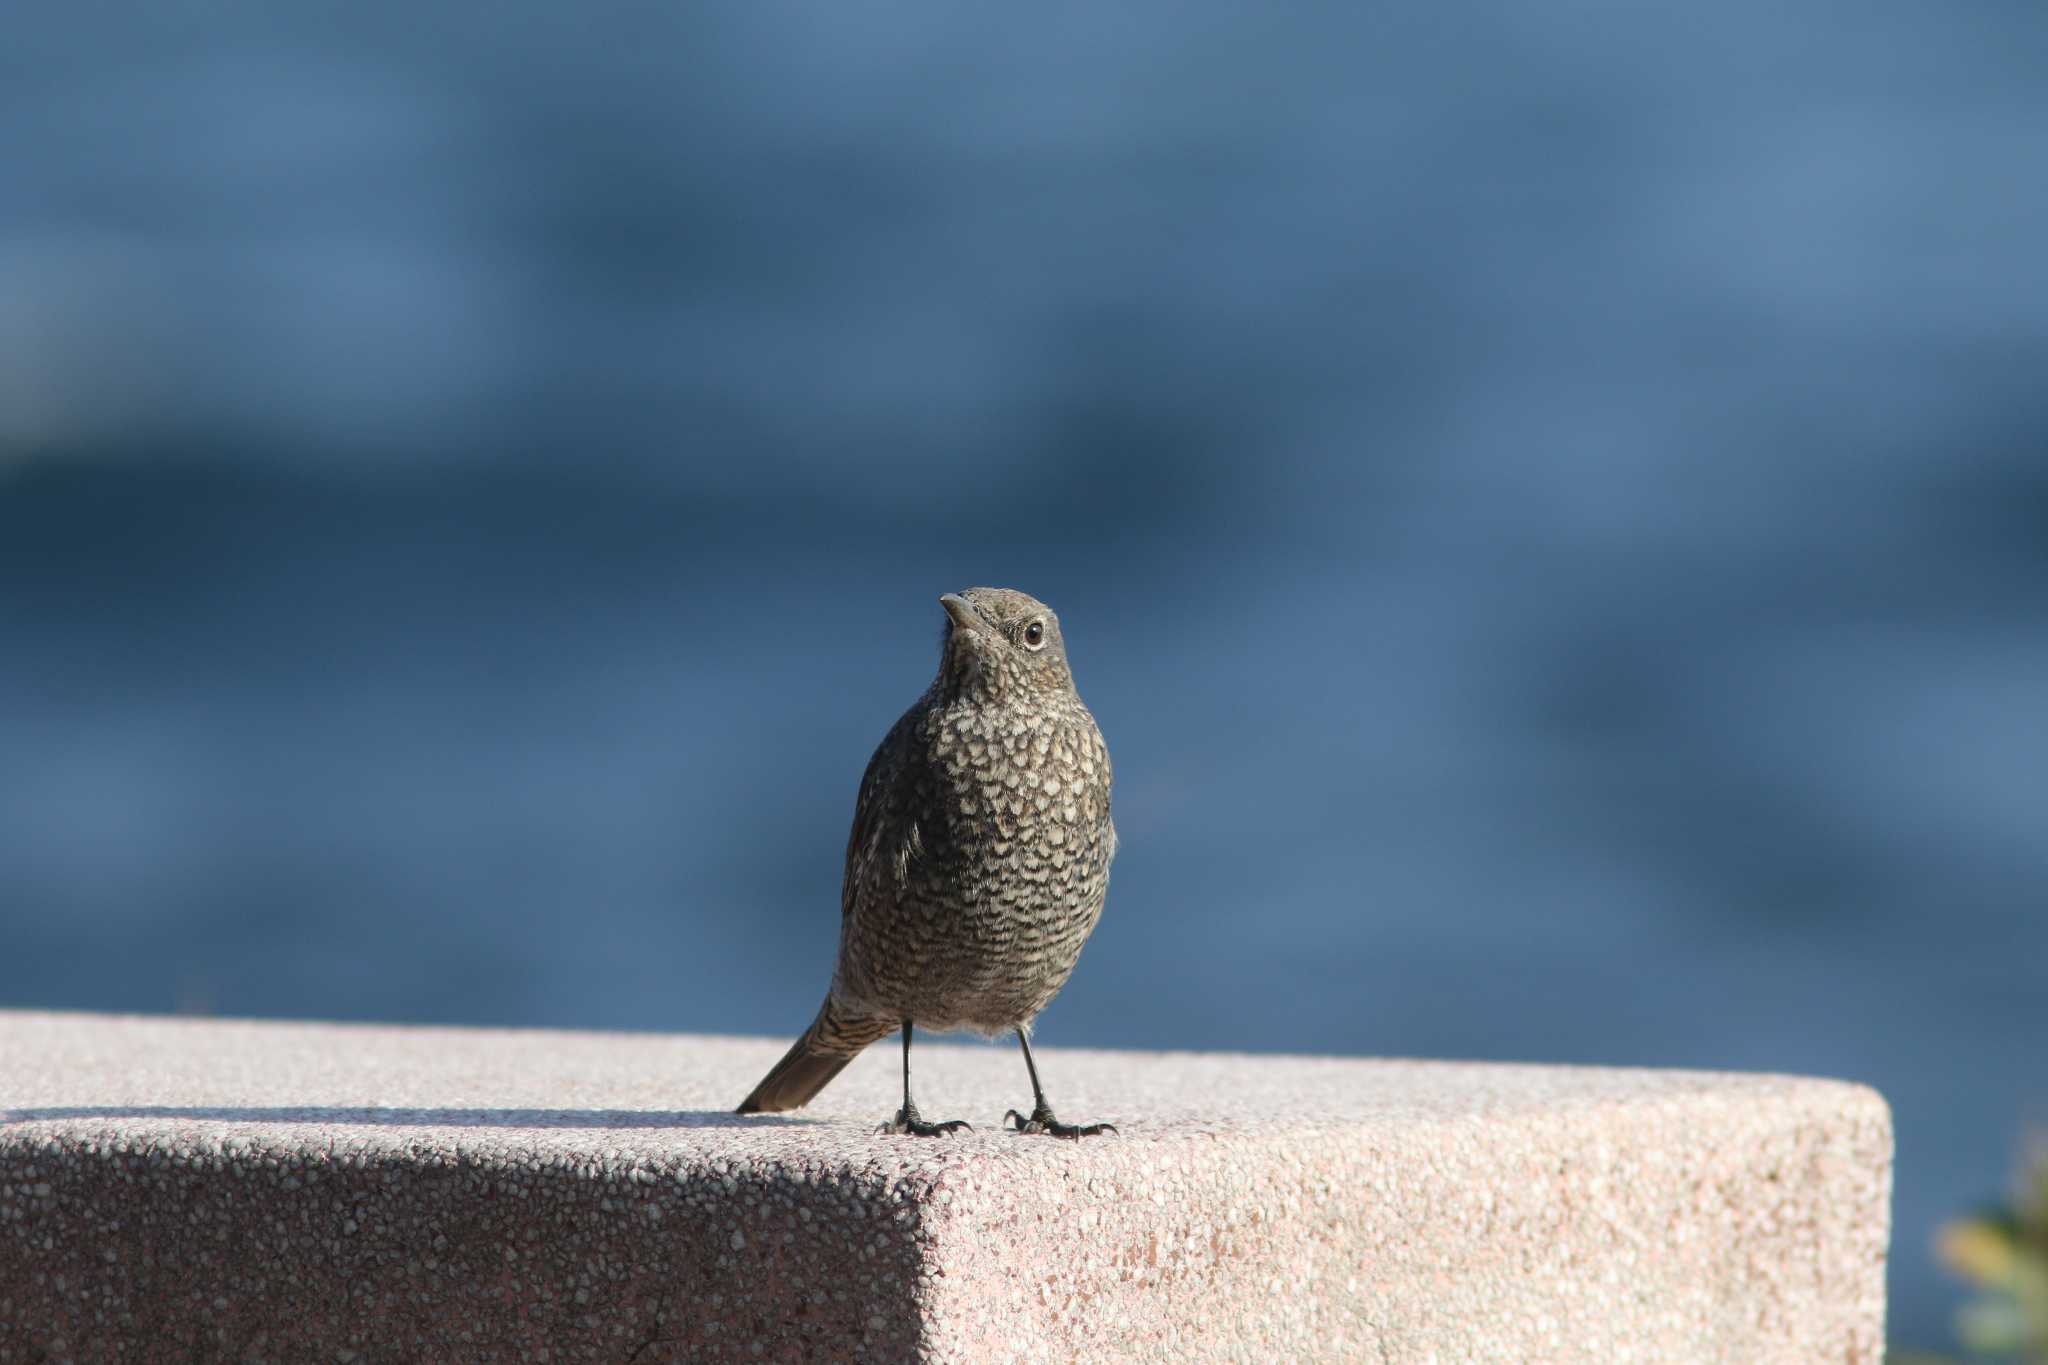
pixel 908 1121
pixel 1042 1121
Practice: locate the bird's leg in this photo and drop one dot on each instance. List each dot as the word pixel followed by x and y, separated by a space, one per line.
pixel 907 1120
pixel 1042 1120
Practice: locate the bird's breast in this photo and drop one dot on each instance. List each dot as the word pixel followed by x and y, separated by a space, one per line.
pixel 1022 788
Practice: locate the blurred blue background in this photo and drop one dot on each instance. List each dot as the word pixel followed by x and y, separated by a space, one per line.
pixel 1549 504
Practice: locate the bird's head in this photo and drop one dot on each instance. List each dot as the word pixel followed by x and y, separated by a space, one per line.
pixel 1002 644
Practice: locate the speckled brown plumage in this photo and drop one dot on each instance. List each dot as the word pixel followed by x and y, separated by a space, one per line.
pixel 978 861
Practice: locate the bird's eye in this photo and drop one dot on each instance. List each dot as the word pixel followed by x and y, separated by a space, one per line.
pixel 1034 635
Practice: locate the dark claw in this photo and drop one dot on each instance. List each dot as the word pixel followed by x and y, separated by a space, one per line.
pixel 1042 1121
pixel 907 1123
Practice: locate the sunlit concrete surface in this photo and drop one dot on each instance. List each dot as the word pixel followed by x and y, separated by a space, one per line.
pixel 178 1189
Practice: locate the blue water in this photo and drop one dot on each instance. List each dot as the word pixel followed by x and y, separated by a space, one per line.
pixel 1549 506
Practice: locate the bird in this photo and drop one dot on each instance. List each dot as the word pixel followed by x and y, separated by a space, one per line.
pixel 977 865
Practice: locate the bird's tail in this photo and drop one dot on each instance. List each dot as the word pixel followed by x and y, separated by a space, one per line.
pixel 832 1040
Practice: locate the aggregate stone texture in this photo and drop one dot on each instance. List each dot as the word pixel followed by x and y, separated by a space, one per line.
pixel 239 1191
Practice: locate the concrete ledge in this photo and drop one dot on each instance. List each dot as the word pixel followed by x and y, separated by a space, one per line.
pixel 245 1191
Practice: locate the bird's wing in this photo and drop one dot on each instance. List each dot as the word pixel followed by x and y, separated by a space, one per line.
pixel 871 810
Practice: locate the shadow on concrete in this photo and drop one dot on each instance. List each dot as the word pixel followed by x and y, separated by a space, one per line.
pixel 423 1118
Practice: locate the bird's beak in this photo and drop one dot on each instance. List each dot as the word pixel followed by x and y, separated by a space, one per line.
pixel 965 617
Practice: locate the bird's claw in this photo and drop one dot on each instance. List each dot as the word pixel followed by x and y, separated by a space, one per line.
pixel 907 1123
pixel 1042 1121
